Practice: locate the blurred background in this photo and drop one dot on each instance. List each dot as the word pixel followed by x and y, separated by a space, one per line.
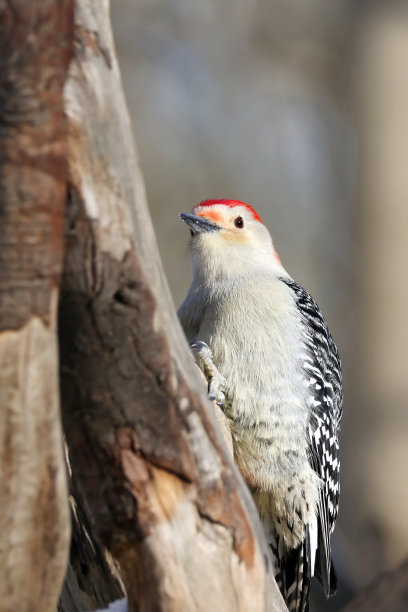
pixel 300 109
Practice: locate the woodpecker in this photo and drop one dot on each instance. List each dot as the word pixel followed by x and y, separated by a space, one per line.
pixel 272 364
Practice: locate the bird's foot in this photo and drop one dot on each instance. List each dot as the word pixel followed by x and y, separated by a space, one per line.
pixel 216 382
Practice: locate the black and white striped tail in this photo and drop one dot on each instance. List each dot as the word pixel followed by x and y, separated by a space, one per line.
pixel 292 573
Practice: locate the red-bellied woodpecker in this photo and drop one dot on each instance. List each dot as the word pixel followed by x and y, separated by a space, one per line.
pixel 263 343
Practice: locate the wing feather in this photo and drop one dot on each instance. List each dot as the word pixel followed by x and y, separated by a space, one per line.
pixel 322 367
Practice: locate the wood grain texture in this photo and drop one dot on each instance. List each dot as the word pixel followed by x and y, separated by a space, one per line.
pixel 35 50
pixel 146 453
pixel 91 581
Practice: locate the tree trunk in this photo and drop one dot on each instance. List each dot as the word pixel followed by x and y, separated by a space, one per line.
pixel 35 50
pixel 91 581
pixel 164 496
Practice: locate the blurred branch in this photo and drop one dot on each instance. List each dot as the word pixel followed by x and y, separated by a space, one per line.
pixel 387 593
pixel 377 371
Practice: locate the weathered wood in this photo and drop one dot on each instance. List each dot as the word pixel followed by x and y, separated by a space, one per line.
pixel 91 581
pixel 35 50
pixel 166 499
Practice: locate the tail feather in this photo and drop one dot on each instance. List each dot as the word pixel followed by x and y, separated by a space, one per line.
pixel 324 569
pixel 296 579
pixel 292 573
pixel 273 541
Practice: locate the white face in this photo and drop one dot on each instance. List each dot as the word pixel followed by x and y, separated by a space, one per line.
pixel 233 242
pixel 226 216
pixel 238 227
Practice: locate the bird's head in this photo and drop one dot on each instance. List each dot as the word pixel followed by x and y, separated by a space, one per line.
pixel 228 237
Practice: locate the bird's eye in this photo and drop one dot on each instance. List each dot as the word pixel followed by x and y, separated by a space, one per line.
pixel 239 222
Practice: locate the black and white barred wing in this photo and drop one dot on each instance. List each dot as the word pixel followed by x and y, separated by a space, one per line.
pixel 323 374
pixel 325 461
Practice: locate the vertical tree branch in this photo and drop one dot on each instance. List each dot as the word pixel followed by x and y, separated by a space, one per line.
pixel 165 497
pixel 35 50
pixel 91 581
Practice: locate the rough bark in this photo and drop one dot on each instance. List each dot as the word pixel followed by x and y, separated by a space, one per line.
pixel 165 497
pixel 35 50
pixel 91 581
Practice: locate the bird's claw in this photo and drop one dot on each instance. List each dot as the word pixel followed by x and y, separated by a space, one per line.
pixel 216 382
pixel 215 394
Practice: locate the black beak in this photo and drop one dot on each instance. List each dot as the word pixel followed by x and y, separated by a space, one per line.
pixel 198 225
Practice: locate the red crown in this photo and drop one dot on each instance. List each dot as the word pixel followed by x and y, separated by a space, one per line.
pixel 231 204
